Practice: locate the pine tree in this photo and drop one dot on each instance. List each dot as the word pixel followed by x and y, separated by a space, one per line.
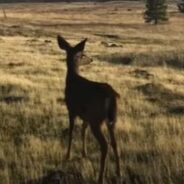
pixel 181 6
pixel 156 11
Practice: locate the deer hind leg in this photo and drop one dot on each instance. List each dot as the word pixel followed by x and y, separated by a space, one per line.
pixel 97 132
pixel 83 136
pixel 114 147
pixel 71 125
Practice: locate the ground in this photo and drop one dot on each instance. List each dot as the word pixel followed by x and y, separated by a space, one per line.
pixel 143 62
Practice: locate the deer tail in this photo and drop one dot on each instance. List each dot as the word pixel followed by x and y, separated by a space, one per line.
pixel 112 110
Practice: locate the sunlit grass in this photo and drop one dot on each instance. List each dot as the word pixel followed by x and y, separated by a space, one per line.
pixel 144 63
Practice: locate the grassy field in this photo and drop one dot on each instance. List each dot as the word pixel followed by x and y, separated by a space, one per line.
pixel 144 63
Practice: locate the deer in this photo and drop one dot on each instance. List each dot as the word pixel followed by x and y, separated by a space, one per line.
pixel 93 102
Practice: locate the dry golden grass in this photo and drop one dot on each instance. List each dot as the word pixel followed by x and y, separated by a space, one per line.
pixel 144 63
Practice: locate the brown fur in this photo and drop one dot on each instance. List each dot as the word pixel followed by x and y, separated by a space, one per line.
pixel 93 102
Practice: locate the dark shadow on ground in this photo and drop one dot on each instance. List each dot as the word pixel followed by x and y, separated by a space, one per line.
pixel 170 59
pixel 58 177
pixel 10 93
pixel 117 58
pixel 158 93
pixel 13 99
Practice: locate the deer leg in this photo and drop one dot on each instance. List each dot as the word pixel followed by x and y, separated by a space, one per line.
pixel 114 147
pixel 71 125
pixel 84 128
pixel 97 132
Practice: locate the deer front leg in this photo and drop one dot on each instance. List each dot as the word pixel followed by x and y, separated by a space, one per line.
pixel 71 125
pixel 83 136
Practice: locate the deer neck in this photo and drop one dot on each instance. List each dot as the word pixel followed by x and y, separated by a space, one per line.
pixel 72 68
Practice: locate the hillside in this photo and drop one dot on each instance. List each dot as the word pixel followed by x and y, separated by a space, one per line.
pixel 143 62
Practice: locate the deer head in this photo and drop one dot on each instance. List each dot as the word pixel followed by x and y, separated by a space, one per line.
pixel 75 55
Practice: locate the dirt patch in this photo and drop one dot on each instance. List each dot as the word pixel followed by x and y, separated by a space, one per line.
pixel 173 59
pixel 177 110
pixel 13 99
pixel 20 30
pixel 158 93
pixel 117 58
pixel 54 177
pixel 140 73
pixel 12 94
pixel 109 44
pixel 111 36
pixel 13 65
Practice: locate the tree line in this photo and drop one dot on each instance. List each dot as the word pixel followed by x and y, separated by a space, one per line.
pixel 36 1
pixel 155 10
pixel 29 1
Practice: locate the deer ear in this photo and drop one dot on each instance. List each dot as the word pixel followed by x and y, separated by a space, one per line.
pixel 63 44
pixel 80 46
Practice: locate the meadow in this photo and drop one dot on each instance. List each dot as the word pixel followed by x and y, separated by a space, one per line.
pixel 143 62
